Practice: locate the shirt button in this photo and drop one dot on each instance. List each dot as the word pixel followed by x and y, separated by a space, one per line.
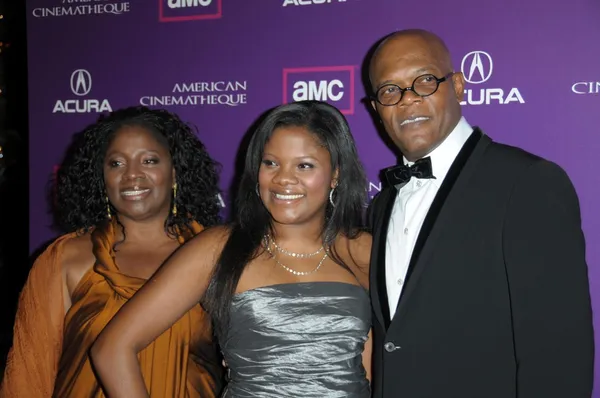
pixel 390 347
pixel 400 281
pixel 405 231
pixel 419 183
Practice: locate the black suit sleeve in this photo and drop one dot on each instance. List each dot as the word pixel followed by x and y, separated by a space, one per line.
pixel 544 254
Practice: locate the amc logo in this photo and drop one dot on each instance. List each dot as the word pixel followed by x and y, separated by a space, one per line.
pixel 188 10
pixel 331 84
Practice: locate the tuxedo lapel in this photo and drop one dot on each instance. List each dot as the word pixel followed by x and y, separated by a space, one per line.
pixel 378 287
pixel 463 165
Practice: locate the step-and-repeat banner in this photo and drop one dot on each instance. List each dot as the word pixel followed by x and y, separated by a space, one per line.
pixel 532 67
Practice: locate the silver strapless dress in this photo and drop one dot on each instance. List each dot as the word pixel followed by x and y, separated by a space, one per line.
pixel 298 340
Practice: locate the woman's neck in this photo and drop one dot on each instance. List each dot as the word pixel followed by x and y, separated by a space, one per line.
pixel 152 230
pixel 303 238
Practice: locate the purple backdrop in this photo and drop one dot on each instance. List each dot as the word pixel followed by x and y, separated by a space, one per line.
pixel 533 69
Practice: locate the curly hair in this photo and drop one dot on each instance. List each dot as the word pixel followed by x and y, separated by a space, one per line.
pixel 79 191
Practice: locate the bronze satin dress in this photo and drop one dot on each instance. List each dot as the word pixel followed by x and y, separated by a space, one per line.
pixel 183 362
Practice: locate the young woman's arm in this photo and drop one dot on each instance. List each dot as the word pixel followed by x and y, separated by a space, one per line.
pixel 176 287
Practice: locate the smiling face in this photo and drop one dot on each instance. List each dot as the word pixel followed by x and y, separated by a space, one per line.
pixel 295 176
pixel 417 125
pixel 138 174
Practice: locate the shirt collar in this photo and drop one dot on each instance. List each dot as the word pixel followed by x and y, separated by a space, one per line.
pixel 443 156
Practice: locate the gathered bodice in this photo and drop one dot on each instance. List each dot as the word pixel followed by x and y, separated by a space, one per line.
pixel 298 340
pixel 183 362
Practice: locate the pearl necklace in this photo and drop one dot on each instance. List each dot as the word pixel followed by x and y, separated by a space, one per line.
pixel 292 254
pixel 268 242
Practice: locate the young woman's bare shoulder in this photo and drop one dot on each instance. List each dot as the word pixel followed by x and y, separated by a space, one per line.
pixel 208 242
pixel 360 249
pixel 217 234
pixel 355 251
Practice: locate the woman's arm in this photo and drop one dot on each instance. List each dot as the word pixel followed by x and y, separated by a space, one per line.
pixel 367 355
pixel 360 255
pixel 357 255
pixel 176 287
pixel 38 331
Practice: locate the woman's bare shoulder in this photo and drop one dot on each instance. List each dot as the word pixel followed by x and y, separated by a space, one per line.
pixel 360 248
pixel 77 258
pixel 77 253
pixel 212 236
pixel 208 243
pixel 355 251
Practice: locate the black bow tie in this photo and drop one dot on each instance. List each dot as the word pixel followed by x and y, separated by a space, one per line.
pixel 402 173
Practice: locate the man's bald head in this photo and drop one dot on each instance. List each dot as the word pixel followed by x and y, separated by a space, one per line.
pixel 413 38
pixel 416 123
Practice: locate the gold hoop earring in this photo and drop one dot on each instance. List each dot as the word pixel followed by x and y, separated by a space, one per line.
pixel 108 208
pixel 174 210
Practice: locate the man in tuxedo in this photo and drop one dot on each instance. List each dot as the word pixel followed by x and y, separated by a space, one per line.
pixel 478 275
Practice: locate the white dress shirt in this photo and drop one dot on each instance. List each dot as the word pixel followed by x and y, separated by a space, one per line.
pixel 411 207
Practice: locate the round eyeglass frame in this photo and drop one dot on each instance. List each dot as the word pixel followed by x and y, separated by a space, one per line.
pixel 438 81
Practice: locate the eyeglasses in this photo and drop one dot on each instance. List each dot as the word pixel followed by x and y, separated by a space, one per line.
pixel 423 86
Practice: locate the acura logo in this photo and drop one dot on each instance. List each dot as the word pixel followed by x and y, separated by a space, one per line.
pixel 81 82
pixel 480 67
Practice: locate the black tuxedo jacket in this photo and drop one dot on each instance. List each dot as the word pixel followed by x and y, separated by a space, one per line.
pixel 496 301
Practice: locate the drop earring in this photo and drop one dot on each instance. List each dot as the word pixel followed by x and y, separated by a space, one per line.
pixel 109 215
pixel 174 210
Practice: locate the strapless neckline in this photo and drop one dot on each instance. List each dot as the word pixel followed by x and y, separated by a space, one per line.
pixel 289 285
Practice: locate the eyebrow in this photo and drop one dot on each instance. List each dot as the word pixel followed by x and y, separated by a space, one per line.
pixel 297 157
pixel 425 69
pixel 145 151
pixel 418 72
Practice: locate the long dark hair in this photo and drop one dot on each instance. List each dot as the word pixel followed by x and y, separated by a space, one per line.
pixel 79 190
pixel 252 220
